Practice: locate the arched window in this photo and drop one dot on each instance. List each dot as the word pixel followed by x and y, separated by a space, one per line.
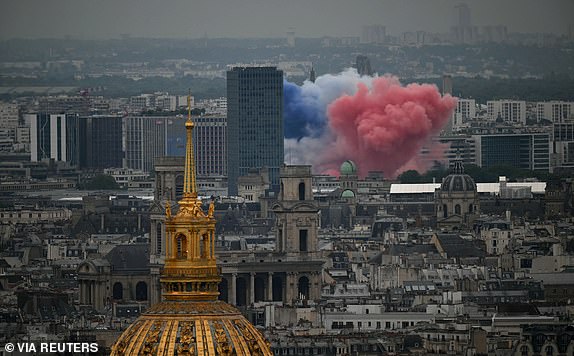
pixel 457 209
pixel 470 208
pixel 549 350
pixel 301 191
pixel 118 291
pixel 444 211
pixel 524 350
pixel 141 290
pixel 303 288
pixel 181 245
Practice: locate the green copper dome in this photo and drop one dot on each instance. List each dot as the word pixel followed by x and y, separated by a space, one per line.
pixel 347 193
pixel 348 168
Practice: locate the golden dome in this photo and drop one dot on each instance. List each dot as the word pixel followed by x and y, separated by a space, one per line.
pixel 190 320
pixel 191 328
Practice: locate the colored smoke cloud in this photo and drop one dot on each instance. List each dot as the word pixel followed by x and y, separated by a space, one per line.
pixel 305 107
pixel 376 122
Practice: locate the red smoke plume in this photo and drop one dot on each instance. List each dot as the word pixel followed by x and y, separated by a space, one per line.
pixel 385 127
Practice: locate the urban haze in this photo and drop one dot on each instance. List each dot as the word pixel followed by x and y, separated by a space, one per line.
pixel 265 18
pixel 289 177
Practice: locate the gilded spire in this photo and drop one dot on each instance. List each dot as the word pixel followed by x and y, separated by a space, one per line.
pixel 190 272
pixel 189 186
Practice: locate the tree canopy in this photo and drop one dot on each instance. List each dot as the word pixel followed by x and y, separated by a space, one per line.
pixel 101 182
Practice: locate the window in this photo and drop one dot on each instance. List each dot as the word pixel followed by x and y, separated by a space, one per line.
pixel 303 240
pixel 301 191
pixel 181 245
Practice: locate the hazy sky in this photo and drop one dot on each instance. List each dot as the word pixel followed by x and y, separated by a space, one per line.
pixel 267 18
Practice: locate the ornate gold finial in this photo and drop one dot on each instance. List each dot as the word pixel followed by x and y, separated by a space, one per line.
pixel 167 209
pixel 211 210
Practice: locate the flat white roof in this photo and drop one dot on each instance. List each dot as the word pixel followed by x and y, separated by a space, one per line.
pixel 492 188
pixel 416 188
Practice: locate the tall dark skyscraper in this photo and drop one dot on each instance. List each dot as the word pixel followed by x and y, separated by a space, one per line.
pixel 254 122
pixel 101 141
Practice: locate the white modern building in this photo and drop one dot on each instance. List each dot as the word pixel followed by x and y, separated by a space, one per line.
pixel 53 137
pixel 465 110
pixel 555 111
pixel 513 111
pixel 8 115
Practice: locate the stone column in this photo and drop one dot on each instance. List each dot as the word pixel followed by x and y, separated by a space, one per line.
pixel 213 243
pixel 270 286
pixel 92 294
pixel 191 248
pixel 233 289
pixel 315 286
pixel 291 288
pixel 251 288
pixel 82 292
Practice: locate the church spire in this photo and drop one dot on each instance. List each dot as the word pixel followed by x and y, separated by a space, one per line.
pixel 190 271
pixel 189 185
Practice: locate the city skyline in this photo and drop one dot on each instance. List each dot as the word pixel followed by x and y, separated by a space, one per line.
pixel 256 18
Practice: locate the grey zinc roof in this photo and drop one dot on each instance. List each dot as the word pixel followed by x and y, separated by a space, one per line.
pixel 132 258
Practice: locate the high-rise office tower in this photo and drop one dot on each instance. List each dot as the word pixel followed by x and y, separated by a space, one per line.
pixel 254 122
pixel 463 31
pixel 54 137
pixel 101 141
pixel 463 15
pixel 149 137
pixel 374 34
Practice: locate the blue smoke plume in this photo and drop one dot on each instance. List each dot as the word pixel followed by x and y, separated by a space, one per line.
pixel 303 113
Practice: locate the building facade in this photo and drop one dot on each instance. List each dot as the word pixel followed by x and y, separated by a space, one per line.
pixel 465 110
pixel 555 111
pixel 100 138
pixel 255 122
pixel 530 151
pixel 457 203
pixel 292 272
pixel 148 137
pixel 563 144
pixel 54 137
pixel 513 111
